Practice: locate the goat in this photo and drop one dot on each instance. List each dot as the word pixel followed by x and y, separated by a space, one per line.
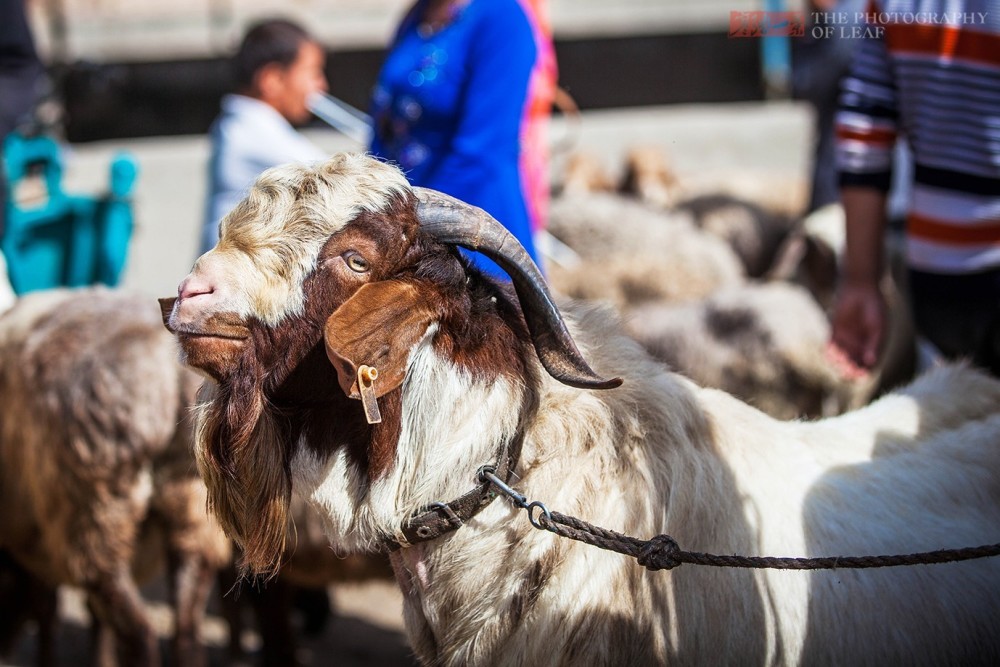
pixel 97 479
pixel 323 271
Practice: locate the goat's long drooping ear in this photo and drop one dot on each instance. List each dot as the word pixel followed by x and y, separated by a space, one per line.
pixel 378 327
pixel 452 221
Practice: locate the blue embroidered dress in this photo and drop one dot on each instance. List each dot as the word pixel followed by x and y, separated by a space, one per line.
pixel 449 105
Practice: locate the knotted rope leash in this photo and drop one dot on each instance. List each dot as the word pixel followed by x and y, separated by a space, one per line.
pixel 663 553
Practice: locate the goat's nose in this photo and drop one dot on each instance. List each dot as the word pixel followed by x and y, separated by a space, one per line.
pixel 193 286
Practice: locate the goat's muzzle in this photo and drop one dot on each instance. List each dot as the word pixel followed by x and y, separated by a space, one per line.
pixel 211 343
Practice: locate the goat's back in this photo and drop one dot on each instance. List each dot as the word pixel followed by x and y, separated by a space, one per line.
pixel 916 471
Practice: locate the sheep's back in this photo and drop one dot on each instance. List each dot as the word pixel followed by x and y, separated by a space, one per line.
pixel 761 342
pixel 96 369
pixel 631 253
pixel 90 408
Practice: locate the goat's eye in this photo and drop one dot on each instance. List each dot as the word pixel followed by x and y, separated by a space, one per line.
pixel 356 262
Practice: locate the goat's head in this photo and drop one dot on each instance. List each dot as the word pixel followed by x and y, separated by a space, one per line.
pixel 343 261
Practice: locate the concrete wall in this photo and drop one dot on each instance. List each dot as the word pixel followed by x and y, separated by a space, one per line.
pixel 131 30
pixel 177 97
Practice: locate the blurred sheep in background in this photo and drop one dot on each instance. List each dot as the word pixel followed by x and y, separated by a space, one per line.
pixel 732 292
pixel 642 254
pixel 97 472
pixel 97 476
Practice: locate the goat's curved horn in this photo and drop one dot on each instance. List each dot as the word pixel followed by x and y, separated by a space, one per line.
pixel 452 221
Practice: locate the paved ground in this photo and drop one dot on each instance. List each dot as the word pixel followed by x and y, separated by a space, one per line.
pixel 367 631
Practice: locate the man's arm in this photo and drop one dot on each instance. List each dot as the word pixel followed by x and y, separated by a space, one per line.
pixel 867 121
pixel 859 313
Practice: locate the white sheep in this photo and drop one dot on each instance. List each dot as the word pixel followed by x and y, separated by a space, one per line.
pixel 762 342
pixel 752 212
pixel 323 273
pixel 631 253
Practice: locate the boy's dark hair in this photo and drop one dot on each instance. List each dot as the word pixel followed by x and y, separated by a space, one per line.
pixel 273 41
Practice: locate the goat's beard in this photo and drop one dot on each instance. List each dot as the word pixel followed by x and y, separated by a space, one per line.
pixel 242 456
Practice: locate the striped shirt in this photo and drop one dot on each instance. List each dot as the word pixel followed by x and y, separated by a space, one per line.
pixel 930 71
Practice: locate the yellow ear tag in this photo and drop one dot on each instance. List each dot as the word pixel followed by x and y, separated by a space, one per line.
pixel 366 385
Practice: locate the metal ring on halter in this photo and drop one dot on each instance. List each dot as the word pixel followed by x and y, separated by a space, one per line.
pixel 531 517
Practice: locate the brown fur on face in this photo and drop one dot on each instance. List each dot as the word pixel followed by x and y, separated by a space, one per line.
pixel 248 425
pixel 304 242
pixel 244 437
pixel 215 354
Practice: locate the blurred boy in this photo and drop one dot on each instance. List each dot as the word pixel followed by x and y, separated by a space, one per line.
pixel 277 67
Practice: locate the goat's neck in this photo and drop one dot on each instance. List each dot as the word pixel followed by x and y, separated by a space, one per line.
pixel 451 424
pixel 586 454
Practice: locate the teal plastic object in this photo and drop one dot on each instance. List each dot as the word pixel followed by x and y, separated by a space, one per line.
pixel 776 58
pixel 66 240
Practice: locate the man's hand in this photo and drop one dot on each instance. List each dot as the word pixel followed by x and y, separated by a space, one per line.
pixel 858 328
pixel 859 312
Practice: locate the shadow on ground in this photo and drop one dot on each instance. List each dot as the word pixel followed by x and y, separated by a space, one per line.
pixel 366 630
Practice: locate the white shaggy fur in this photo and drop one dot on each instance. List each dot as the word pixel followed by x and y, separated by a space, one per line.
pixel 916 471
pixel 475 414
pixel 268 275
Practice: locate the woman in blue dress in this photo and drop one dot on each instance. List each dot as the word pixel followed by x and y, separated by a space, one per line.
pixel 451 101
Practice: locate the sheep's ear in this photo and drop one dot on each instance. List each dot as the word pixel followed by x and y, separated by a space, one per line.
pixel 378 327
pixel 789 256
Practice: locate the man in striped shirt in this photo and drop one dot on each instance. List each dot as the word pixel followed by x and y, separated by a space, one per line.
pixel 930 72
